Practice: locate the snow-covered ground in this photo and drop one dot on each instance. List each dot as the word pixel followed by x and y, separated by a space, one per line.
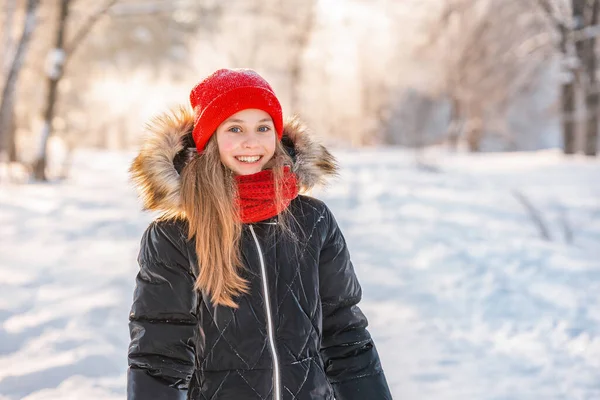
pixel 465 297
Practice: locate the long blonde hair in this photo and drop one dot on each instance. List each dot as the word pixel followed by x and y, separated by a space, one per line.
pixel 209 194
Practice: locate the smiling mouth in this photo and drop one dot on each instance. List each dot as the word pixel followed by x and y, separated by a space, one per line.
pixel 249 159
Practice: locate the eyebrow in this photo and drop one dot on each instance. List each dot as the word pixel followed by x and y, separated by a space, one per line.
pixel 242 121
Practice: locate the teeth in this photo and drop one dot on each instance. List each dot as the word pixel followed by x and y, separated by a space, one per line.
pixel 249 159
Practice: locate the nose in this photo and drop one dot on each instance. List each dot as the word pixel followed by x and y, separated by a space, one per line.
pixel 250 141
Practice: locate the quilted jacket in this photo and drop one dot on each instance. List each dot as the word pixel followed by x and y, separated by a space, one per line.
pixel 298 334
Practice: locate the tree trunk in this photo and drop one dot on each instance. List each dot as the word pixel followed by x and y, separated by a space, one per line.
pixel 591 96
pixel 13 155
pixel 475 126
pixel 8 52
pixel 456 124
pixel 474 134
pixel 7 39
pixel 7 101
pixel 55 73
pixel 569 89
pixel 60 55
pixel 568 116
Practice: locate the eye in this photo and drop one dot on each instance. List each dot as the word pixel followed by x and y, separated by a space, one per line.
pixel 264 128
pixel 233 129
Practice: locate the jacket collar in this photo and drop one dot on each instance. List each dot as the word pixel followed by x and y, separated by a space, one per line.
pixel 168 147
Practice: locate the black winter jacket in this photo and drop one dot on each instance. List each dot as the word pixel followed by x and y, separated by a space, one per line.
pixel 298 334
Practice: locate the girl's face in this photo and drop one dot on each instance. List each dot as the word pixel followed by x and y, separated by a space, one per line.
pixel 246 141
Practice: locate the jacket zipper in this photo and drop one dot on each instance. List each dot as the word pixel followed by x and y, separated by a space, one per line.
pixel 270 330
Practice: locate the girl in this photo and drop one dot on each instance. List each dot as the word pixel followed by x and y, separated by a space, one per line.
pixel 246 289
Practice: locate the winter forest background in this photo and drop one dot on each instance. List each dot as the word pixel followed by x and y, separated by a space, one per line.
pixel 467 132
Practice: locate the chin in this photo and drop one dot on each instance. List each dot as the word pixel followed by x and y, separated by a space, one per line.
pixel 242 173
pixel 247 171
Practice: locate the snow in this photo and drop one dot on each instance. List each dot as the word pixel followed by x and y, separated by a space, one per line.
pixel 465 298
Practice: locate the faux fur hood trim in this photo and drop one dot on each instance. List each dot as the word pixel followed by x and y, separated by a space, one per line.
pixel 168 147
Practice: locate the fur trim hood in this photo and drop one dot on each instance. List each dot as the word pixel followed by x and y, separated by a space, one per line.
pixel 168 147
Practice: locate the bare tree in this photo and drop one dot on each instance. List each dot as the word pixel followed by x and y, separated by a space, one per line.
pixel 571 68
pixel 58 57
pixel 7 101
pixel 486 60
pixel 300 40
pixel 294 20
pixel 8 50
pixel 576 24
pixel 54 73
pixel 10 7
pixel 589 57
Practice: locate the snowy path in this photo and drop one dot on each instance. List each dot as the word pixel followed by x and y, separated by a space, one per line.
pixel 465 300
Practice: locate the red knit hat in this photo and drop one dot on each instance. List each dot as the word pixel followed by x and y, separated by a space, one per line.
pixel 225 92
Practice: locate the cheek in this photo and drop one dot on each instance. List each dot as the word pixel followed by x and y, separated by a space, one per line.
pixel 226 145
pixel 269 144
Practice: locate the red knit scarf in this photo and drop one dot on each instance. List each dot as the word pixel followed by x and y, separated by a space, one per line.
pixel 257 194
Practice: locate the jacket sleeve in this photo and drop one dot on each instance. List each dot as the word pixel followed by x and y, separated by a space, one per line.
pixel 163 319
pixel 349 354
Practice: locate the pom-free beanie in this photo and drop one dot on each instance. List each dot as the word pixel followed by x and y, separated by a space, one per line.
pixel 225 92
